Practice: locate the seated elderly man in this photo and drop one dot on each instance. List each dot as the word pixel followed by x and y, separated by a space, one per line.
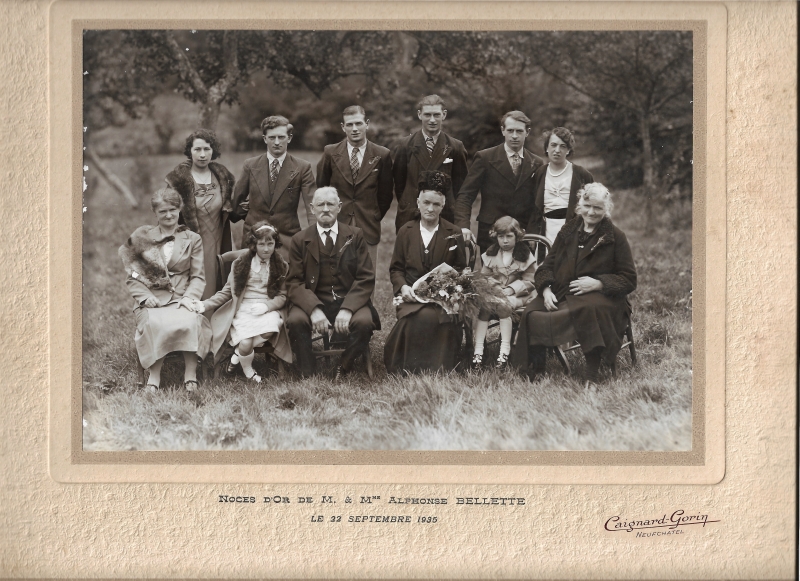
pixel 330 281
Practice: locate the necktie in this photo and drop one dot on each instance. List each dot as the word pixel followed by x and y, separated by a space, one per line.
pixel 354 164
pixel 328 242
pixel 264 267
pixel 515 163
pixel 429 144
pixel 273 171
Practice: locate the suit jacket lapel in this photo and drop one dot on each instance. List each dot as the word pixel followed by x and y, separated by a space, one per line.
pixel 312 243
pixel 366 166
pixel 181 244
pixel 421 150
pixel 261 174
pixel 287 173
pixel 343 161
pixel 503 165
pixel 439 245
pixel 525 168
pixel 440 151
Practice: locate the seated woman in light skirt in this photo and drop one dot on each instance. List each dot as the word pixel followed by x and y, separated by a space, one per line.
pixel 251 305
pixel 165 277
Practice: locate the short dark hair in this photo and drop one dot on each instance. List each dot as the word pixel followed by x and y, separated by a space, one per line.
pixel 276 121
pixel 262 230
pixel 505 225
pixel 354 110
pixel 431 100
pixel 166 195
pixel 563 134
pixel 516 116
pixel 206 135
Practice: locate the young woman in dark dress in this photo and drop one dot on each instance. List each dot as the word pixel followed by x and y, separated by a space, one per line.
pixel 425 337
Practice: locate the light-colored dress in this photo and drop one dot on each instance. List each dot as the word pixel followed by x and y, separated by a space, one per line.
pixel 556 197
pixel 251 320
pixel 208 199
pixel 169 328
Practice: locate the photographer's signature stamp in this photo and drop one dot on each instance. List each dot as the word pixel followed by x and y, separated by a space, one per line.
pixel 657 527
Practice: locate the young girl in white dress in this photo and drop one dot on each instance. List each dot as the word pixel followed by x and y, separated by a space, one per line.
pixel 510 264
pixel 249 306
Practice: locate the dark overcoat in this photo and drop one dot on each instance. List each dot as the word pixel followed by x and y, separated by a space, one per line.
pixel 599 318
pixel 354 270
pixel 580 177
pixel 411 157
pixel 365 202
pixel 502 193
pixel 252 201
pixel 180 179
pixel 447 246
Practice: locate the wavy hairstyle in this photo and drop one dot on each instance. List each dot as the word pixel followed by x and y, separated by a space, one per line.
pixel 262 230
pixel 207 135
pixel 599 192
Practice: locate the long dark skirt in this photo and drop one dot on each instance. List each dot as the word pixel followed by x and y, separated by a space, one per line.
pixel 420 342
pixel 596 320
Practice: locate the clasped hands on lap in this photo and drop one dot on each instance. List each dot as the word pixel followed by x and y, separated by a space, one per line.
pixel 320 323
pixel 579 286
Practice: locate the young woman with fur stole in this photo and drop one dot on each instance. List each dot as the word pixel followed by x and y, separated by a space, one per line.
pixel 206 188
pixel 165 277
pixel 510 266
pixel 251 306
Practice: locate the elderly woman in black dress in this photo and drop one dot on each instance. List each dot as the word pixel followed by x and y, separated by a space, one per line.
pixel 425 337
pixel 583 286
pixel 206 188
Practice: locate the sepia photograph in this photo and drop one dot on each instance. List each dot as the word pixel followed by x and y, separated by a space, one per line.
pixel 387 240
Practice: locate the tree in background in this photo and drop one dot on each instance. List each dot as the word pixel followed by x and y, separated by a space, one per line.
pixel 641 84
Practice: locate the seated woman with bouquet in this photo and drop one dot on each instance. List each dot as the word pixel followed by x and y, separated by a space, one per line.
pixel 583 287
pixel 426 337
pixel 509 267
pixel 165 277
pixel 251 306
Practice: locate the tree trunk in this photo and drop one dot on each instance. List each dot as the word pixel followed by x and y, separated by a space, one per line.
pixel 209 113
pixel 111 177
pixel 648 178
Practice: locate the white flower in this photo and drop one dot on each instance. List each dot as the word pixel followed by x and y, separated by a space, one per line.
pixel 459 288
pixel 443 293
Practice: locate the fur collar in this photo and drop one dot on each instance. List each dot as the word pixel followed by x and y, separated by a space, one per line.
pixel 278 269
pixel 521 252
pixel 181 180
pixel 605 228
pixel 143 259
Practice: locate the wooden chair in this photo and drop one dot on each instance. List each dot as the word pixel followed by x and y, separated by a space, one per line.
pixel 224 262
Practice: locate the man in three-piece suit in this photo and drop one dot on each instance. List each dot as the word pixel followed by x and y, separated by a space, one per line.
pixel 330 281
pixel 271 184
pixel 430 148
pixel 361 172
pixel 504 177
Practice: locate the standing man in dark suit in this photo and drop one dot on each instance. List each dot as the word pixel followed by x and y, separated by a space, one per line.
pixel 330 282
pixel 272 183
pixel 430 148
pixel 504 177
pixel 361 172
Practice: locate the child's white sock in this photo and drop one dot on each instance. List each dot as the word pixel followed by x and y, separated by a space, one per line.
pixel 247 364
pixel 506 327
pixel 480 336
pixel 235 357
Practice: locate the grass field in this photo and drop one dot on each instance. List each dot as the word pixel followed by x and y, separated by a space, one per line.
pixel 646 408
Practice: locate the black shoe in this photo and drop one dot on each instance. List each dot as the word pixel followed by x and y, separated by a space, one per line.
pixel 477 361
pixel 502 362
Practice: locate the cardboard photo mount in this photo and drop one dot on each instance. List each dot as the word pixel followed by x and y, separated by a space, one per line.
pixel 703 464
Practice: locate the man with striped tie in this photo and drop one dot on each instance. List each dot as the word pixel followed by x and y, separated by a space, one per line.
pixel 430 148
pixel 504 177
pixel 361 172
pixel 272 184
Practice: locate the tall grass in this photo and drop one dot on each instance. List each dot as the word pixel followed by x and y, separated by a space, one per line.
pixel 646 408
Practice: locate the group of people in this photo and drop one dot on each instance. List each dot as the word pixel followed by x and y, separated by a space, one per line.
pixel 286 283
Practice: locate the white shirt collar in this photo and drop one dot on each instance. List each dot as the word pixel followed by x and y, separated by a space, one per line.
pixel 361 150
pixel 427 235
pixel 334 231
pixel 510 152
pixel 280 159
pixel 435 137
pixel 255 264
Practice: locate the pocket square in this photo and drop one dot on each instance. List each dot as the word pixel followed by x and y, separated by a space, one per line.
pixel 448 160
pixel 453 247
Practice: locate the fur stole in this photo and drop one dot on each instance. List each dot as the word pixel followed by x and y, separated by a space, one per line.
pixel 143 259
pixel 521 252
pixel 180 179
pixel 278 269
